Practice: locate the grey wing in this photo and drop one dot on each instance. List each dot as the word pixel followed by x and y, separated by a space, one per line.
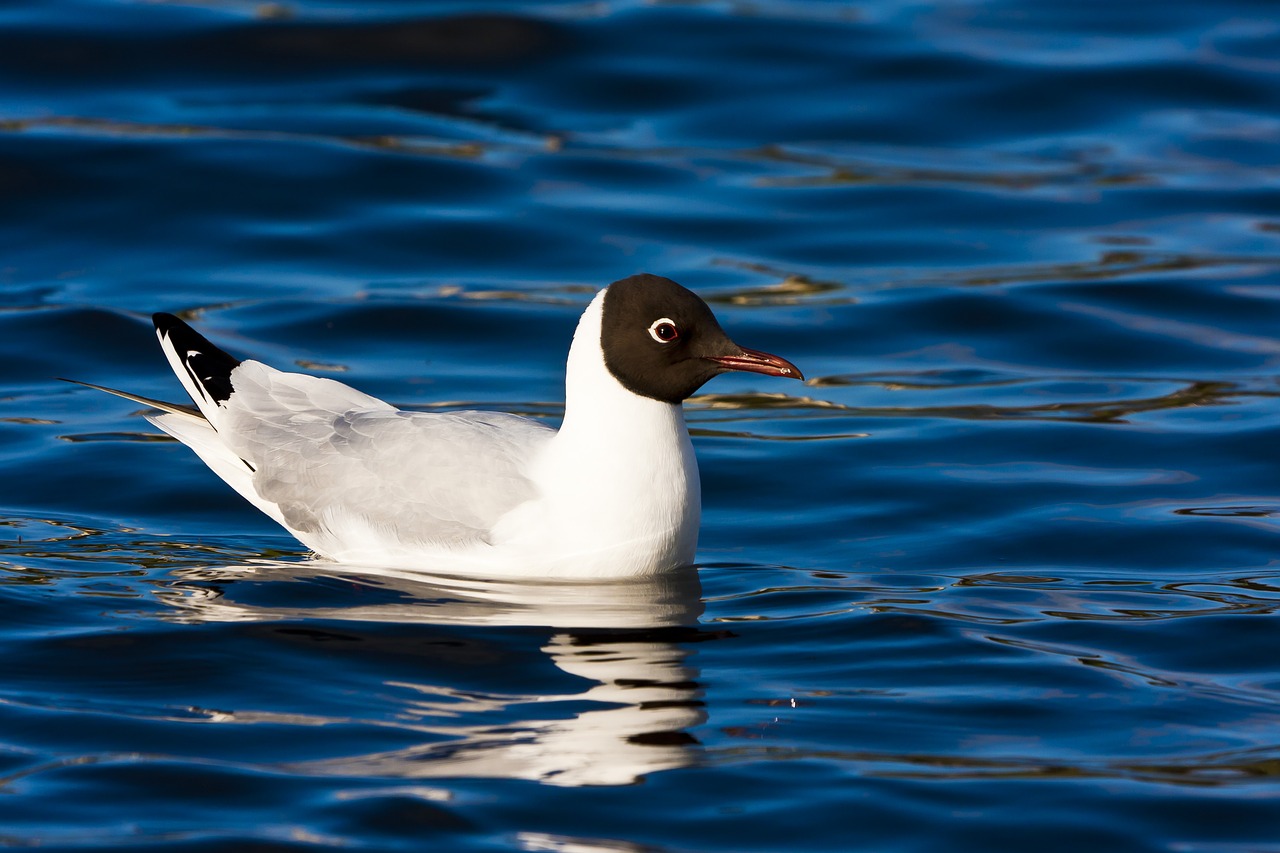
pixel 413 476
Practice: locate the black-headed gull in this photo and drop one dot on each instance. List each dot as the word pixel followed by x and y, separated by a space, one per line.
pixel 614 492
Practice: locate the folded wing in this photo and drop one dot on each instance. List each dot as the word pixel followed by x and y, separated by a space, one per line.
pixel 337 466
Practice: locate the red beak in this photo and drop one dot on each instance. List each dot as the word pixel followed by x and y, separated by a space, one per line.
pixel 754 361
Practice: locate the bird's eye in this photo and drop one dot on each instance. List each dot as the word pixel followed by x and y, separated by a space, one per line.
pixel 664 331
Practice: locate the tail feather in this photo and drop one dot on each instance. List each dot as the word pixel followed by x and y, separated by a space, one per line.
pixel 171 408
pixel 205 371
pixel 204 440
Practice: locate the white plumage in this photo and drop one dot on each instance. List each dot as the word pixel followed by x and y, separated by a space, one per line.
pixel 614 492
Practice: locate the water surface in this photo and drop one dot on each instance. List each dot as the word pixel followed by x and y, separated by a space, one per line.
pixel 1000 576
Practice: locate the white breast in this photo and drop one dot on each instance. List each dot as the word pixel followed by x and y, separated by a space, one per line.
pixel 619 484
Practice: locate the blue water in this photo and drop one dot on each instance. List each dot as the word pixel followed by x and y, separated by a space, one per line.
pixel 1002 575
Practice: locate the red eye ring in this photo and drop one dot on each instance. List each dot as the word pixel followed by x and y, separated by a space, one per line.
pixel 664 331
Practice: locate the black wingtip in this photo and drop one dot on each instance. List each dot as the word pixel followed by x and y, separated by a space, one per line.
pixel 164 322
pixel 207 365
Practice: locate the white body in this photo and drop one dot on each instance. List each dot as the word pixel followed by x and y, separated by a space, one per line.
pixel 613 493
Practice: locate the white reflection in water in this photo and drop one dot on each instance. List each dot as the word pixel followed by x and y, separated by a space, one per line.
pixel 629 639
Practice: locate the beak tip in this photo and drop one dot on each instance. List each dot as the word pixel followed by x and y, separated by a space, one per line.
pixel 754 361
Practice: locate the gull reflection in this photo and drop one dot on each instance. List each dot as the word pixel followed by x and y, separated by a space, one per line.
pixel 631 642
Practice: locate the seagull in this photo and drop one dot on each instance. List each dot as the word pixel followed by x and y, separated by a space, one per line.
pixel 613 493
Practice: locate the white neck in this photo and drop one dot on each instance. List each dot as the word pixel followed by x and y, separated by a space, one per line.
pixel 620 477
